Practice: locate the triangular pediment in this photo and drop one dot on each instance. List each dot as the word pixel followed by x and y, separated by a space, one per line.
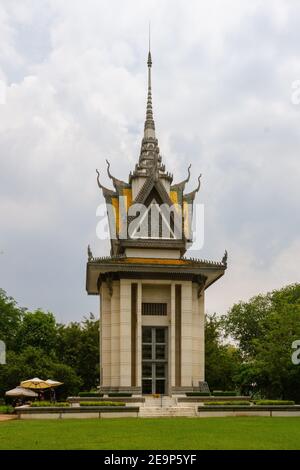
pixel 155 222
pixel 149 186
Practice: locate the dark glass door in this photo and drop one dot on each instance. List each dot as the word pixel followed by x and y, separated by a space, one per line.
pixel 154 360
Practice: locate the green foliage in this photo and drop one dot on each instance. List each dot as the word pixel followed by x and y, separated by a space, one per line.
pixel 39 347
pixel 33 362
pixel 101 403
pixel 38 329
pixel 198 394
pixel 229 403
pixel 40 404
pixel 222 361
pixel 78 347
pixel 265 328
pixel 226 393
pixel 274 402
pixel 90 394
pixel 245 322
pixel 10 319
pixel 6 409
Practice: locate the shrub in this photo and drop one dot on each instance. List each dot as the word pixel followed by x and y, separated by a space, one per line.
pixel 274 402
pixel 226 393
pixel 6 409
pixel 90 394
pixel 102 403
pixel 225 403
pixel 198 394
pixel 119 394
pixel 38 404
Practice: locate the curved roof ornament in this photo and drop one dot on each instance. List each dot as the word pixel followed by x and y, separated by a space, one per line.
pixel 192 194
pixel 182 184
pixel 105 190
pixel 116 182
pixel 199 183
pixel 224 259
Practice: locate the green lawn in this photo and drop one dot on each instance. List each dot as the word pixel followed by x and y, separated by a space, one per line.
pixel 163 433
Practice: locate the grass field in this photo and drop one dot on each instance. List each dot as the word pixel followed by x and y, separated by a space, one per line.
pixel 163 433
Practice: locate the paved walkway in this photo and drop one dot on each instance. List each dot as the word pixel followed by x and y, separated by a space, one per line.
pixel 7 417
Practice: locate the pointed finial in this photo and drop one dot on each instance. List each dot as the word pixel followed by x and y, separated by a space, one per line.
pixel 224 259
pixel 149 128
pixel 90 254
pixel 149 62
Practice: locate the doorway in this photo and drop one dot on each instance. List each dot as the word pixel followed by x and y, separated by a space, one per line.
pixel 154 360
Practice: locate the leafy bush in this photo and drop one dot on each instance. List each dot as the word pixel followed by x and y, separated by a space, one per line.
pixel 90 394
pixel 226 393
pixel 119 394
pixel 225 403
pixel 274 402
pixel 6 409
pixel 198 394
pixel 38 404
pixel 102 403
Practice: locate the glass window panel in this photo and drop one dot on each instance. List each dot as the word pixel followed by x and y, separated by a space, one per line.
pixel 161 370
pixel 160 386
pixel 160 351
pixel 147 369
pixel 147 335
pixel 160 335
pixel 147 386
pixel 147 351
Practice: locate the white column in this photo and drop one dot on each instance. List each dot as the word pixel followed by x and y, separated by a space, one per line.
pixel 125 333
pixel 115 335
pixel 100 340
pixel 139 336
pixel 201 303
pixel 105 336
pixel 172 339
pixel 186 334
pixel 197 338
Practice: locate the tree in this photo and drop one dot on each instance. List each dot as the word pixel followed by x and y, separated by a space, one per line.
pixel 38 329
pixel 78 346
pixel 244 322
pixel 33 362
pixel 10 319
pixel 222 361
pixel 265 328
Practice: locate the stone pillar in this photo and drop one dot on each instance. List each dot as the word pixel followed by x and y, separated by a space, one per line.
pixel 115 335
pixel 172 339
pixel 105 336
pixel 186 334
pixel 197 338
pixel 139 336
pixel 201 303
pixel 125 333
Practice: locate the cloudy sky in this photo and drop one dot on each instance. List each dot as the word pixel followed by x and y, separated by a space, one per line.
pixel 72 93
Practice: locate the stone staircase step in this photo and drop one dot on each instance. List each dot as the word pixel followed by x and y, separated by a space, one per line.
pixel 151 412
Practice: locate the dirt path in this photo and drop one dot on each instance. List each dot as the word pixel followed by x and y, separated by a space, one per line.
pixel 7 417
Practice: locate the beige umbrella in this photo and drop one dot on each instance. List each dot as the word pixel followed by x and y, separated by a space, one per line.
pixel 35 383
pixel 21 392
pixel 53 383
